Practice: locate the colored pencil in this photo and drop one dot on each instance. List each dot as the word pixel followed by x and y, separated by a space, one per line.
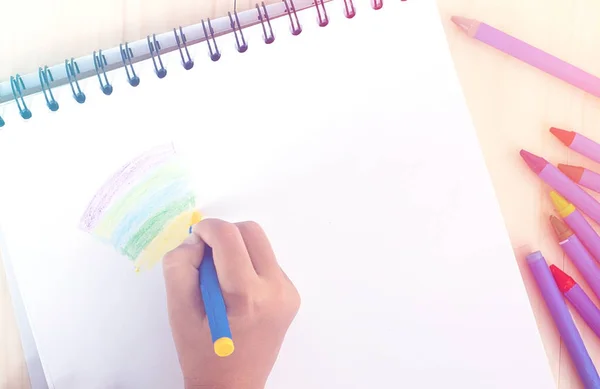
pixel 581 176
pixel 529 54
pixel 578 298
pixel 563 320
pixel 577 142
pixel 575 220
pixel 577 253
pixel 563 185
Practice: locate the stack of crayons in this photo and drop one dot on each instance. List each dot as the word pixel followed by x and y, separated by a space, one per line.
pixel 578 240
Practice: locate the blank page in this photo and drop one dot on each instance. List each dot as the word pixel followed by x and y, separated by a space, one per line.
pixel 350 144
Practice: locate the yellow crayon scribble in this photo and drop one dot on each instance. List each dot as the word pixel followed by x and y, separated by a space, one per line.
pixel 169 238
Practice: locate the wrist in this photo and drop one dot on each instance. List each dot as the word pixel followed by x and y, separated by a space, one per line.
pixel 190 384
pixel 198 384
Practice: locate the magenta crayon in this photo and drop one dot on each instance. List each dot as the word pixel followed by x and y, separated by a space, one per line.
pixel 563 185
pixel 577 142
pixel 581 176
pixel 529 54
pixel 578 298
pixel 580 257
pixel 577 223
pixel 563 320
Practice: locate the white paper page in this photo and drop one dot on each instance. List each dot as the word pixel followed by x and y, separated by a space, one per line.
pixel 352 146
pixel 35 370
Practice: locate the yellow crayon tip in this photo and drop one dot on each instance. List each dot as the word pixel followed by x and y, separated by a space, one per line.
pixel 562 205
pixel 224 347
pixel 196 217
pixel 137 269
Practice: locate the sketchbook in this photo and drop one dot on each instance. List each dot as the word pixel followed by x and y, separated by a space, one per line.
pixel 339 126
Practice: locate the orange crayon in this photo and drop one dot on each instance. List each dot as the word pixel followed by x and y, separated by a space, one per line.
pixel 582 176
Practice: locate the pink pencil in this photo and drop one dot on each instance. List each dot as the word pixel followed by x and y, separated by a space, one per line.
pixel 529 54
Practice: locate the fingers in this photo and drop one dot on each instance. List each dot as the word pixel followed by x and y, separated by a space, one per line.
pixel 259 249
pixel 180 268
pixel 232 261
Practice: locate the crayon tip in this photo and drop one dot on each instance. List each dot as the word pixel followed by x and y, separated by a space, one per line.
pixel 573 172
pixel 562 231
pixel 563 280
pixel 566 137
pixel 561 205
pixel 535 163
pixel 196 217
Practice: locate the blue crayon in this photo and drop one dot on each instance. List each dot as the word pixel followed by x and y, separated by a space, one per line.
pixel 214 305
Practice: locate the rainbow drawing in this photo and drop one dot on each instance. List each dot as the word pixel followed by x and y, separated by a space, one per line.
pixel 145 209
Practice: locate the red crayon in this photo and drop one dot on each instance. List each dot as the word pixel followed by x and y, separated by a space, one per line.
pixel 582 176
pixel 577 297
pixel 579 143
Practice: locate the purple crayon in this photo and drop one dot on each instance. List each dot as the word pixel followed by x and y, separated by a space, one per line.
pixel 563 320
pixel 563 185
pixel 577 297
pixel 580 226
pixel 574 249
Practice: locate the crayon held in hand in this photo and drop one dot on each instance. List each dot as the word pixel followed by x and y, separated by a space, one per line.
pixel 581 176
pixel 563 185
pixel 214 305
pixel 578 298
pixel 563 320
pixel 578 224
pixel 574 249
pixel 578 142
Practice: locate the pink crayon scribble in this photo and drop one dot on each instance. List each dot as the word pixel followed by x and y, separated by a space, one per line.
pixel 121 181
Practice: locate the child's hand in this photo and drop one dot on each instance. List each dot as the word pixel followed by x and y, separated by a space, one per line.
pixel 261 304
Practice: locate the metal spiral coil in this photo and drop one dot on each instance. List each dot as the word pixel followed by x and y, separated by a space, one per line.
pixel 100 64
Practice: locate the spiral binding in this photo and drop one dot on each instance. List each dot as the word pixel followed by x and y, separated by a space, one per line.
pixel 240 42
pixel 45 79
pixel 126 56
pixel 215 55
pixel 295 28
pixel 186 60
pixel 17 85
pixel 154 46
pixel 100 63
pixel 72 69
pixel 267 37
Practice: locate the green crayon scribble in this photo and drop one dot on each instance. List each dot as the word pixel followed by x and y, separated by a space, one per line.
pixel 157 180
pixel 155 224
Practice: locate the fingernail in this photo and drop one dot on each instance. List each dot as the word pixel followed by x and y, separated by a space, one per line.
pixel 192 239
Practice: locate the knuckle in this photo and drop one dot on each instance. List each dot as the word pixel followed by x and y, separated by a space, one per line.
pixel 173 258
pixel 251 226
pixel 288 298
pixel 251 230
pixel 170 257
pixel 242 303
pixel 222 228
pixel 294 301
